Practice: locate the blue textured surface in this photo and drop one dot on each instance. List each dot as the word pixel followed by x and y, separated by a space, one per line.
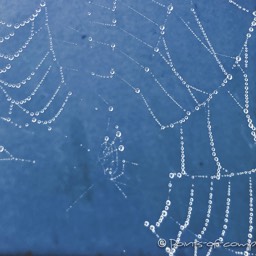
pixel 34 197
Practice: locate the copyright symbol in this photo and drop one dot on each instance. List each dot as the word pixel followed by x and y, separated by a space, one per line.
pixel 161 243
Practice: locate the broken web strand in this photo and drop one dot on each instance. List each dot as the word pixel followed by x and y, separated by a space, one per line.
pixel 109 160
pixel 111 163
pixel 79 198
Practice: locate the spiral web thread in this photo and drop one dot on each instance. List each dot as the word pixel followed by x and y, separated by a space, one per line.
pixel 159 20
pixel 23 93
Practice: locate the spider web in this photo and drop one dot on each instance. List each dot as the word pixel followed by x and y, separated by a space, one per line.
pixel 111 162
pixel 193 72
pixel 31 77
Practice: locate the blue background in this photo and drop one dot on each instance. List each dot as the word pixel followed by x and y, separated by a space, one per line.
pixel 34 197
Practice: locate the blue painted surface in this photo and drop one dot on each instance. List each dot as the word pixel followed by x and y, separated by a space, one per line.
pixel 34 197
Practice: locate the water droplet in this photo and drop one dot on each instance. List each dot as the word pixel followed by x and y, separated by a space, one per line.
pixel 118 134
pixel 1 149
pixel 121 148
pixel 110 108
pixel 146 223
pixel 170 8
pixel 112 71
pixel 162 27
pixel 106 138
pixel 137 90
pixel 146 69
pixel 42 4
pixel 229 77
pixel 238 58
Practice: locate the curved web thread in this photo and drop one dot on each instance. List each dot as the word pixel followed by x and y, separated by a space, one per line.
pixel 22 84
pixel 197 98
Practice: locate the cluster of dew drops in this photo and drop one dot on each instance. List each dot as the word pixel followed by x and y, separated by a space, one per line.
pixel 117 135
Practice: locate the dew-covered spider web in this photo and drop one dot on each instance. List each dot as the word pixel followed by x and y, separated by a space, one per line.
pixel 190 65
pixel 31 77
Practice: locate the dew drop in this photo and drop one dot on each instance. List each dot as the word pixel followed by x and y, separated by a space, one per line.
pixel 229 77
pixel 156 49
pixel 42 4
pixel 121 148
pixel 146 69
pixel 162 27
pixel 118 134
pixel 137 90
pixel 170 8
pixel 238 58
pixel 146 223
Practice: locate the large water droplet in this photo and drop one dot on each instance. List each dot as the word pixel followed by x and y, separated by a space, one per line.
pixel 121 148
